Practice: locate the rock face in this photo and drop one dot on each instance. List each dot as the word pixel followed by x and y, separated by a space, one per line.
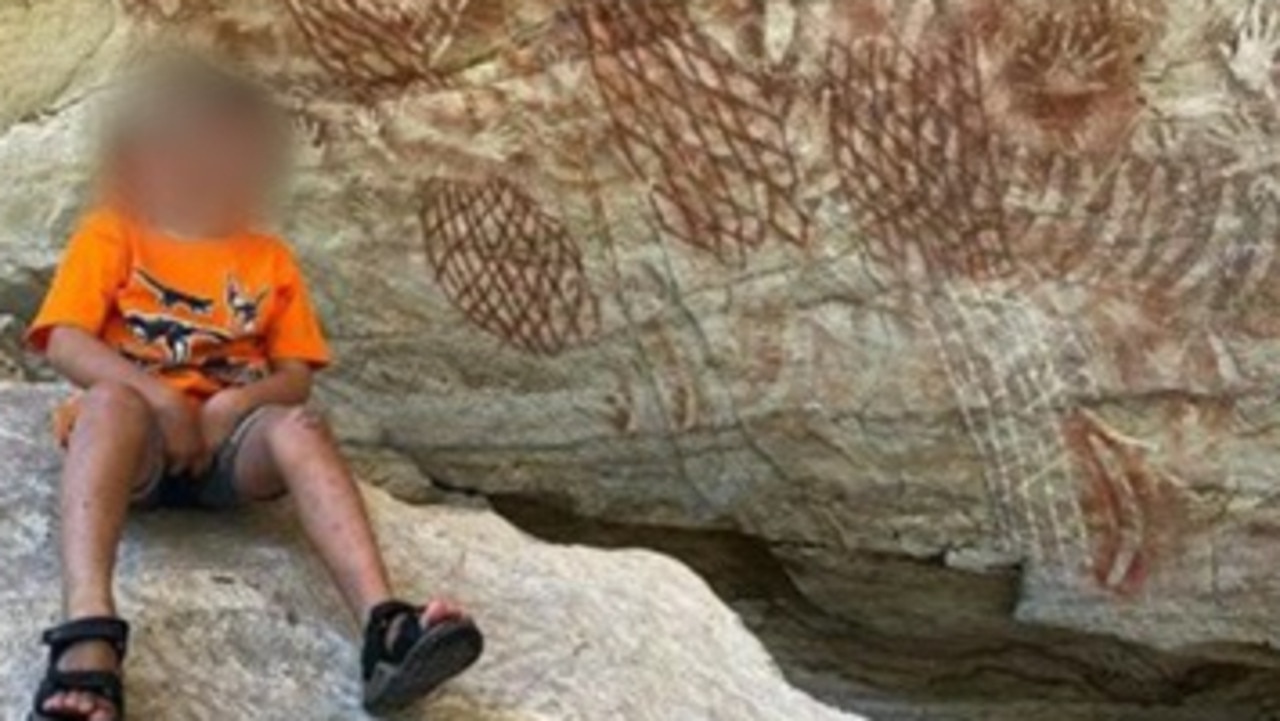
pixel 236 621
pixel 986 283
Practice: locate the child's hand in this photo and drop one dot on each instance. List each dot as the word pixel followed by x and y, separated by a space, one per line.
pixel 184 445
pixel 219 416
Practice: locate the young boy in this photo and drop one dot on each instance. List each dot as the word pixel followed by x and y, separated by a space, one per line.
pixel 194 343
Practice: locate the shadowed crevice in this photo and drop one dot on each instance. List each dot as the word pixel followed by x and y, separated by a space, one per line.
pixel 921 638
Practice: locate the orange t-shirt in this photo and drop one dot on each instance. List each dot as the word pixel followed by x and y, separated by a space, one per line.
pixel 202 315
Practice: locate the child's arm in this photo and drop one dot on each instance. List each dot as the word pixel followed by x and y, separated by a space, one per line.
pixel 85 360
pixel 294 344
pixel 289 384
pixel 296 347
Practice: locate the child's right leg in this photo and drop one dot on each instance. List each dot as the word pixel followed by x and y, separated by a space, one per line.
pixel 113 451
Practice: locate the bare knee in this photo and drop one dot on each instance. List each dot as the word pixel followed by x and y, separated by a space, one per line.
pixel 293 426
pixel 117 404
pixel 111 416
pixel 302 445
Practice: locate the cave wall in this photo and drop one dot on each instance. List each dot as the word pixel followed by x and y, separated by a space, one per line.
pixel 990 283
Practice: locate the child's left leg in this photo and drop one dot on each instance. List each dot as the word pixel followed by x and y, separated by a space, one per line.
pixel 292 449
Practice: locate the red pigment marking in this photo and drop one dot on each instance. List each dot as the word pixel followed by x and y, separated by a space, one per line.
pixel 916 158
pixel 1130 509
pixel 368 48
pixel 511 268
pixel 1068 75
pixel 707 133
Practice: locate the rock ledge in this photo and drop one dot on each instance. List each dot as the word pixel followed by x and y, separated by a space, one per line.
pixel 235 619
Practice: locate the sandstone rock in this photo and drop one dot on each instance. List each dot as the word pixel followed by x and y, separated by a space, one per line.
pixel 44 49
pixel 235 619
pixel 979 281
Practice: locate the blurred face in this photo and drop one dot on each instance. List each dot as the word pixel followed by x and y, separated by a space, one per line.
pixel 201 174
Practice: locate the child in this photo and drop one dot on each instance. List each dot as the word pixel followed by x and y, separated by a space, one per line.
pixel 194 342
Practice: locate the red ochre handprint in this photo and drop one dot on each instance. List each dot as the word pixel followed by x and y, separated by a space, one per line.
pixel 511 268
pixel 707 133
pixel 1067 75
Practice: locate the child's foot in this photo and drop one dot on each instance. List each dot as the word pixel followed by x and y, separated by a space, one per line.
pixel 409 652
pixel 437 611
pixel 82 682
pixel 85 656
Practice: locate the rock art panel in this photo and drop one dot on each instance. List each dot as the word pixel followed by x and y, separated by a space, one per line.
pixel 965 254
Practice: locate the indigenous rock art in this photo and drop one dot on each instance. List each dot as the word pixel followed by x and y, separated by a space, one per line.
pixel 371 48
pixel 1154 228
pixel 917 159
pixel 709 133
pixel 1068 76
pixel 920 163
pixel 915 277
pixel 508 266
pixel 1130 508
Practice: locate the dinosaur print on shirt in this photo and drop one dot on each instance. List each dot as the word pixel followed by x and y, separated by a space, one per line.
pixel 176 337
pixel 202 315
pixel 172 299
pixel 245 307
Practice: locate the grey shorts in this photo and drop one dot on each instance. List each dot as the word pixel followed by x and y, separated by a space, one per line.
pixel 215 489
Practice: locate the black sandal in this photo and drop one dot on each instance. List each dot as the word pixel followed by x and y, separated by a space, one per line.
pixel 106 685
pixel 418 660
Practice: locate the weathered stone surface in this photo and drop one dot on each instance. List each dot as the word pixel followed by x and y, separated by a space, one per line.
pixel 980 281
pixel 235 620
pixel 924 641
pixel 45 48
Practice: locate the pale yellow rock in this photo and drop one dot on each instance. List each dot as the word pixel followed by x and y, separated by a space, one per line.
pixel 44 47
pixel 235 620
